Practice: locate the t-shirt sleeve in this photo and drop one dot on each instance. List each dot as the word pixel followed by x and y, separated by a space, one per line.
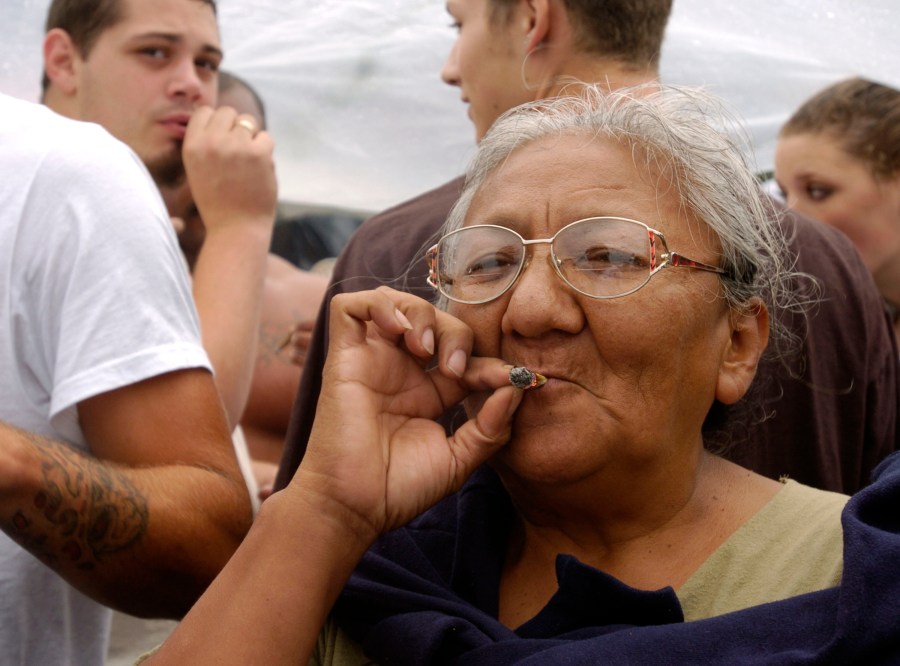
pixel 105 293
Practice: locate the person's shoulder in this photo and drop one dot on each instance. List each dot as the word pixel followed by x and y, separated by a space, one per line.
pixel 831 258
pixel 801 495
pixel 816 244
pixel 58 141
pixel 291 294
pixel 799 229
pixel 427 211
pixel 69 162
pixel 388 245
pixel 283 275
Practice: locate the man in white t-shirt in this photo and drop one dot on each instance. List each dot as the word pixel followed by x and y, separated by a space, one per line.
pixel 100 349
pixel 144 69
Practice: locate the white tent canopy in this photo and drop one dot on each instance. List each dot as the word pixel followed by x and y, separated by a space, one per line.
pixel 362 120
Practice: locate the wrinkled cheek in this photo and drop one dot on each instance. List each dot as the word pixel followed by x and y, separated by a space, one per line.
pixel 485 325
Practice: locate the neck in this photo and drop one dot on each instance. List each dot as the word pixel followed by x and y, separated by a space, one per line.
pixel 549 77
pixel 612 506
pixel 59 103
pixel 647 533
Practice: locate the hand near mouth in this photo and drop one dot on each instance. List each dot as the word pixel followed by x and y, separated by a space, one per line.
pixel 230 170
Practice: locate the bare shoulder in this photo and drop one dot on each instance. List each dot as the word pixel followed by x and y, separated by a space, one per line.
pixel 291 293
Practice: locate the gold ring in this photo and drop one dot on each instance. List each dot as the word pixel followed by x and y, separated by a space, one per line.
pixel 248 125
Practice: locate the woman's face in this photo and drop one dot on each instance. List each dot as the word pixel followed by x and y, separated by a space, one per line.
pixel 822 181
pixel 630 379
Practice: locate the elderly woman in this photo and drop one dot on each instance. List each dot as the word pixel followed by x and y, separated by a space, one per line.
pixel 838 161
pixel 617 246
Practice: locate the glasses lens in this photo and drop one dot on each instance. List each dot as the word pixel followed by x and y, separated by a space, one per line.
pixel 476 264
pixel 604 257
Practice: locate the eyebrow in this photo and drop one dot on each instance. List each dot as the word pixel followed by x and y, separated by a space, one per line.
pixel 175 39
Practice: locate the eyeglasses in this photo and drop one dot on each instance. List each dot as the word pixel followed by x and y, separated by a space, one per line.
pixel 600 257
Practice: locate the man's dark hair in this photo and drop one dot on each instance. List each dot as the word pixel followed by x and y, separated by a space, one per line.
pixel 629 30
pixel 85 21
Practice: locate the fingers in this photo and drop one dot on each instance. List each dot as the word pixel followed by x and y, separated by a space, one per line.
pixel 425 330
pixel 480 437
pixel 230 167
pixel 224 120
pixel 247 123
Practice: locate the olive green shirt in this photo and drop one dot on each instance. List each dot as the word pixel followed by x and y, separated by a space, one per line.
pixel 793 545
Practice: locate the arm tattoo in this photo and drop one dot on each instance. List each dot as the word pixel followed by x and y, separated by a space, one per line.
pixel 86 509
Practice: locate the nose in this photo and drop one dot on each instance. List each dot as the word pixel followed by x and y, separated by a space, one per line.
pixel 186 82
pixel 541 302
pixel 450 70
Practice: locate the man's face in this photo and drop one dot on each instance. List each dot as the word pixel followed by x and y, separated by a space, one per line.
pixel 486 62
pixel 146 74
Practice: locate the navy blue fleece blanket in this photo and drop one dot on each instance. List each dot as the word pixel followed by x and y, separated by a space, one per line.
pixel 427 594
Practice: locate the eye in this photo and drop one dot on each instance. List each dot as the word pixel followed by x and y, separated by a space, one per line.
pixel 605 258
pixel 154 52
pixel 208 64
pixel 491 265
pixel 818 191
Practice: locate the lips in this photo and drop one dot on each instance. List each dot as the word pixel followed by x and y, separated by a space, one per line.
pixel 176 124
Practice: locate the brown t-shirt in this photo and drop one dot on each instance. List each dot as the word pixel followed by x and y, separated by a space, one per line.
pixel 824 416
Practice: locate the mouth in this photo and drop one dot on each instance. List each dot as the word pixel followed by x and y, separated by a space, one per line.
pixel 523 378
pixel 176 124
pixel 552 379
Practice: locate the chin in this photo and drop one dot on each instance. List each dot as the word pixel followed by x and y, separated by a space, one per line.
pixel 167 170
pixel 548 454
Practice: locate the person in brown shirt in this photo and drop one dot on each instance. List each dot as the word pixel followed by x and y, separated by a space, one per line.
pixel 824 415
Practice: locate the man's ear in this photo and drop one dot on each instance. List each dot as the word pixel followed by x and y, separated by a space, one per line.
pixel 60 60
pixel 749 337
pixel 539 24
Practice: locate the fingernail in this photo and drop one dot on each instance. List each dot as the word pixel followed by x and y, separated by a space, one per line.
pixel 428 340
pixel 404 322
pixel 457 362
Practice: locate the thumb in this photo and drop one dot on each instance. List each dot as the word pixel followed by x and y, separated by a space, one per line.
pixel 482 436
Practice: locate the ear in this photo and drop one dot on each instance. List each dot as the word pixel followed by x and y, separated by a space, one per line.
pixel 749 337
pixel 539 24
pixel 60 59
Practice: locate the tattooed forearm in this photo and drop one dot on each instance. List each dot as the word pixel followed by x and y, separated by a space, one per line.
pixel 84 510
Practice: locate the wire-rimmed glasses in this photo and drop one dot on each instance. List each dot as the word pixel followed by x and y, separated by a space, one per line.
pixel 600 257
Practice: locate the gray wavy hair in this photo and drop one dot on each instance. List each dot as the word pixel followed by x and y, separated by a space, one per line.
pixel 683 134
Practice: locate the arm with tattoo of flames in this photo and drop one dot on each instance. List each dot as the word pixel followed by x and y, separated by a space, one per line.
pixel 84 510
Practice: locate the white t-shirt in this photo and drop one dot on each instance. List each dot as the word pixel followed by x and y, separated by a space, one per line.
pixel 93 297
